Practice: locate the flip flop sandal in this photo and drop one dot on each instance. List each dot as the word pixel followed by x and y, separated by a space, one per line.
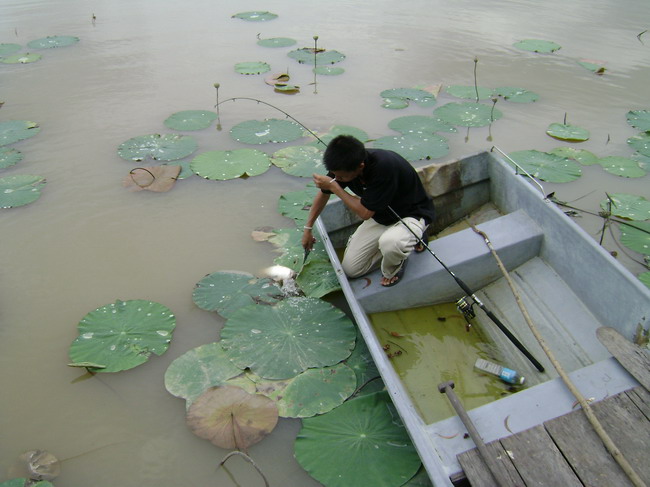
pixel 419 248
pixel 397 277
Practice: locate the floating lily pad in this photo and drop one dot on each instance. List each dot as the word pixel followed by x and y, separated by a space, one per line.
pixel 547 167
pixel 302 161
pixel 469 92
pixel 644 161
pixel 186 172
pixel 644 277
pixel 226 291
pixel 307 55
pixel 622 166
pixel 517 95
pixel 277 78
pixel 252 67
pixel 639 119
pixel 14 130
pixel 627 206
pixel 190 120
pixel 20 190
pixel 7 49
pixel 419 97
pixel 360 360
pixel 168 147
pixel 276 42
pixel 9 157
pixel 21 482
pixel 537 45
pixel 158 179
pixel 52 41
pixel 415 146
pixel 317 278
pixel 123 335
pixel 420 124
pixel 266 131
pixel 281 341
pixel 26 58
pixel 230 164
pixel 296 204
pixel 337 130
pixel 567 132
pixel 395 103
pixel 582 156
pixel 594 67
pixel 231 418
pixel 636 236
pixel 358 443
pixel 640 143
pixel 191 374
pixel 328 70
pixel 287 89
pixel 255 16
pixel 467 114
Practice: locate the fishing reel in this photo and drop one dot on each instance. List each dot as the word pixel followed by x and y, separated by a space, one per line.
pixel 464 306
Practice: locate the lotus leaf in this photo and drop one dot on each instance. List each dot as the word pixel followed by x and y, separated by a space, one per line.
pixel 582 156
pixel 567 132
pixel 537 45
pixel 639 119
pixel 640 143
pixel 467 114
pixel 644 161
pixel 288 242
pixel 627 206
pixel 190 120
pixel 20 190
pixel 30 57
pixel 158 179
pixel 420 97
pixel 362 363
pixel 622 166
pixel 255 16
pixel 277 78
pixel 302 161
pixel 645 278
pixel 276 42
pixel 358 443
pixel 230 164
pixel 9 157
pixel 226 291
pixel 14 130
pixel 296 204
pixel 419 124
pixel 414 146
pixel 281 341
pixel 197 370
pixel 317 278
pixel 636 236
pixel 517 95
pixel 252 67
pixel 229 417
pixel 52 41
pixel 7 49
pixel 337 130
pixel 168 147
pixel 287 89
pixel 123 335
pixel 21 482
pixel 271 130
pixel 547 167
pixel 307 55
pixel 469 92
pixel 594 67
pixel 328 70
pixel 395 103
pixel 186 172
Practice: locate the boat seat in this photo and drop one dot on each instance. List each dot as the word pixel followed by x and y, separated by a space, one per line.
pixel 515 237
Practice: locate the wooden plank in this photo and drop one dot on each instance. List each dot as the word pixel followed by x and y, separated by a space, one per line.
pixel 538 460
pixel 635 359
pixel 477 471
pixel 641 399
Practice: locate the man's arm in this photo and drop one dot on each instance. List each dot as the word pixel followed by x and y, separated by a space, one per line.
pixel 320 200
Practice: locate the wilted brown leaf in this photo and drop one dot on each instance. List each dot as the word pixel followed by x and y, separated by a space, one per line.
pixel 156 178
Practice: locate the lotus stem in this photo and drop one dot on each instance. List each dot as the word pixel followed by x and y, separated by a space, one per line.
pixel 475 79
pixel 494 104
pixel 216 86
pixel 248 459
pixel 140 185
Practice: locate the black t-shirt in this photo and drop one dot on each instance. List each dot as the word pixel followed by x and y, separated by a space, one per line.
pixel 390 180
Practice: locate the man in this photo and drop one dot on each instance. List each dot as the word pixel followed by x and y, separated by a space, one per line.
pixel 383 182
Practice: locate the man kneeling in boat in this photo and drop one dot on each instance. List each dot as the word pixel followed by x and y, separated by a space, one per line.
pixel 383 182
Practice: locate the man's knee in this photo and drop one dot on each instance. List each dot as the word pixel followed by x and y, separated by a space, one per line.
pixel 351 270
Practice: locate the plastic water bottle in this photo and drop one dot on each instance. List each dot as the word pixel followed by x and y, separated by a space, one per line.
pixel 504 373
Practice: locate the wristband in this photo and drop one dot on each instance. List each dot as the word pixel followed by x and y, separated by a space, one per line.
pixel 307 228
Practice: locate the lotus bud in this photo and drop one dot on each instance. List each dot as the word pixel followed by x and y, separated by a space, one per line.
pixel 217 85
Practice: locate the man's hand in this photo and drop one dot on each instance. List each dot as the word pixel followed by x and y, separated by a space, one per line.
pixel 324 182
pixel 308 239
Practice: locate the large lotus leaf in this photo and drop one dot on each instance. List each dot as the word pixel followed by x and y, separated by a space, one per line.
pixel 284 340
pixel 537 45
pixel 296 204
pixel 639 119
pixel 582 156
pixel 230 164
pixel 567 132
pixel 252 67
pixel 469 92
pixel 622 166
pixel 627 206
pixel 276 42
pixel 420 97
pixel 158 179
pixel 15 130
pixel 337 130
pixel 517 95
pixel 644 161
pixel 362 363
pixel 225 292
pixel 167 147
pixel 307 55
pixel 644 277
pixel 547 167
pixel 52 41
pixel 358 443
pixel 314 391
pixel 123 335
pixel 328 70
pixel 9 157
pixel 26 58
pixel 20 190
pixel 414 146
pixel 640 143
pixel 317 278
pixel 231 418
pixel 302 161
pixel 255 16
pixel 419 124
pixel 467 114
pixel 191 374
pixel 265 131
pixel 190 120
pixel 636 236
pixel 7 49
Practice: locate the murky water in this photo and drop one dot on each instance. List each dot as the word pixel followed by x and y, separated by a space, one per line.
pixel 88 241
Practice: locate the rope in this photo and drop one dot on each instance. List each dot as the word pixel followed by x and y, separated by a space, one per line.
pixel 598 427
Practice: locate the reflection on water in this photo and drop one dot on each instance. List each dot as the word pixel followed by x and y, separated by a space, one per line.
pixel 88 241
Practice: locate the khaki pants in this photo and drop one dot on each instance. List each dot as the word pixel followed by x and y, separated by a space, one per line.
pixel 373 244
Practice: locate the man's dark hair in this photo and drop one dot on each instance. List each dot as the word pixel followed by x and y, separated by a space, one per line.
pixel 344 153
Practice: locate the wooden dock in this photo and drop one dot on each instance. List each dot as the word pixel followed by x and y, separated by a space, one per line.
pixel 567 452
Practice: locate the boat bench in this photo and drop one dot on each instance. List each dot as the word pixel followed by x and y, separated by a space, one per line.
pixel 515 237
